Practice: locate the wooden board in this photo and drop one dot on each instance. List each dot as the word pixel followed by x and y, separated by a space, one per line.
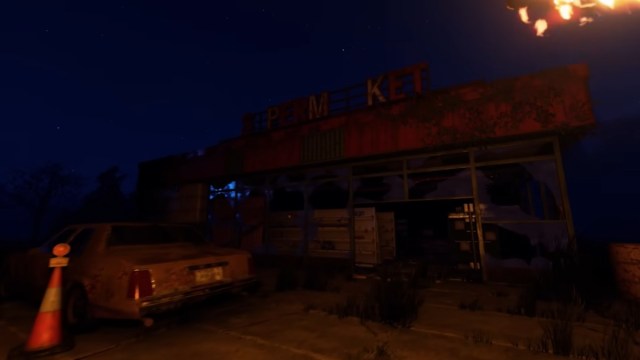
pixel 387 235
pixel 330 236
pixel 367 251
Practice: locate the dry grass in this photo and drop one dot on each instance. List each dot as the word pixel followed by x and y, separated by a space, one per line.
pixel 378 352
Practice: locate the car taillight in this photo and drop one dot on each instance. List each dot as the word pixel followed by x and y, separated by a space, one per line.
pixel 140 284
pixel 251 266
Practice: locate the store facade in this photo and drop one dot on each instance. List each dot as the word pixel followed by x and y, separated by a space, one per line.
pixel 469 178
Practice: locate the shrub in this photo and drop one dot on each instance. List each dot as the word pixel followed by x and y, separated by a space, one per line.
pixel 557 332
pixel 479 337
pixel 379 352
pixel 616 345
pixel 396 302
pixel 392 301
pixel 526 303
pixel 627 316
pixel 473 305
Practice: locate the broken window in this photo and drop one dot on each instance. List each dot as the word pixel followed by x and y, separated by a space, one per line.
pixel 287 199
pixel 329 195
pixel 378 188
pixel 440 184
pixel 520 191
pixel 328 173
pixel 523 244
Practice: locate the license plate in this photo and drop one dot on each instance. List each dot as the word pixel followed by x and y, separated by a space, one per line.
pixel 208 275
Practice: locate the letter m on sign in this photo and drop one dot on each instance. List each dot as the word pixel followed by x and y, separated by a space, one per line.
pixel 318 107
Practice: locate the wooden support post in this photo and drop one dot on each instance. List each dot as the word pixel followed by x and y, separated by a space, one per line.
pixel 532 209
pixel 478 215
pixel 306 189
pixel 543 197
pixel 568 217
pixel 352 221
pixel 405 180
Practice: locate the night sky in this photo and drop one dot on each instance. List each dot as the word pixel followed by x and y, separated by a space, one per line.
pixel 98 83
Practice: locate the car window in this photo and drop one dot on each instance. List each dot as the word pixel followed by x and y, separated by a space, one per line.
pixel 62 237
pixel 80 241
pixel 153 235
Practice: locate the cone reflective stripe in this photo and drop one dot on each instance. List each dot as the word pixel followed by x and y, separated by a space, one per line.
pixel 47 328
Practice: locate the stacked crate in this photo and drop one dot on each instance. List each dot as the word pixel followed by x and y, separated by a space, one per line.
pixel 330 237
pixel 286 232
pixel 367 251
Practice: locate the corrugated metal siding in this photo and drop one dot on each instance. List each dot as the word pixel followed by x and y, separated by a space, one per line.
pixel 323 146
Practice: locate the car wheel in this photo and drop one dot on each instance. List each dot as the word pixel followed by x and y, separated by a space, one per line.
pixel 76 310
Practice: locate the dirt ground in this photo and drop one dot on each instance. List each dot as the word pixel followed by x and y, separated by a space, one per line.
pixel 294 325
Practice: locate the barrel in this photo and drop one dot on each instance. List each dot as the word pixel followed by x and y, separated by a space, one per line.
pixel 625 259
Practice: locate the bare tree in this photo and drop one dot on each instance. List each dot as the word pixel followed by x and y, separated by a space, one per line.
pixel 107 202
pixel 39 189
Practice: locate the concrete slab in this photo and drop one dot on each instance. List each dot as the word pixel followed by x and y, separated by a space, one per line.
pixel 288 325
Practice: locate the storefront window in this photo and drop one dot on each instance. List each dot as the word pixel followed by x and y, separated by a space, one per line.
pixel 329 195
pixel 440 184
pixel 527 191
pixel 433 161
pixel 287 199
pixel 524 245
pixel 378 188
pixel 328 173
pixel 378 168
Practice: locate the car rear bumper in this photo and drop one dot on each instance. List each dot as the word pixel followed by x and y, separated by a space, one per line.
pixel 159 304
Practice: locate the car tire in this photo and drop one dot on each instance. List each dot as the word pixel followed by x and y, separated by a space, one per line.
pixel 77 315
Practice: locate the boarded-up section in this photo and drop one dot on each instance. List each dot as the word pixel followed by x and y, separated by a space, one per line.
pixel 331 235
pixel 286 232
pixel 367 251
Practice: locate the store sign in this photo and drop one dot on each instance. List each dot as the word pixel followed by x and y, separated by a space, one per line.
pixel 397 85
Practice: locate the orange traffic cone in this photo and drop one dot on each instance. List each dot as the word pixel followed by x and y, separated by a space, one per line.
pixel 47 337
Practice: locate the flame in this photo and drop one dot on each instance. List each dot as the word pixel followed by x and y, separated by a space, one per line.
pixel 524 15
pixel 609 3
pixel 585 20
pixel 541 26
pixel 566 9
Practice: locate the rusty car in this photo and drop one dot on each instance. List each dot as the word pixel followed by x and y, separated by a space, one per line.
pixel 135 270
